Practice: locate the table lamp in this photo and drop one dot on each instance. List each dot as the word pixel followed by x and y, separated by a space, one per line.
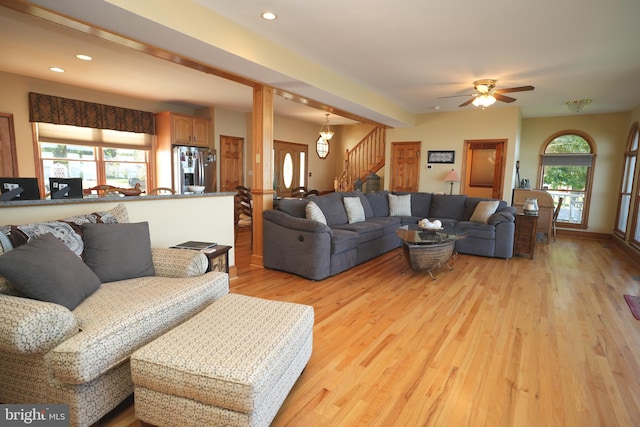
pixel 451 178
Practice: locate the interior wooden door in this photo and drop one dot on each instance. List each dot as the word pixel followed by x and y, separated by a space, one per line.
pixel 405 166
pixel 484 168
pixel 290 166
pixel 8 158
pixel 231 161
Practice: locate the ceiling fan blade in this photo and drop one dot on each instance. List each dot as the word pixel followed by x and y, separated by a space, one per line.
pixel 454 96
pixel 467 102
pixel 515 89
pixel 503 98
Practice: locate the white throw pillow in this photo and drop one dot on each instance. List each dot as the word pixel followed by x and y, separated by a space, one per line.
pixel 313 211
pixel 400 205
pixel 484 210
pixel 355 211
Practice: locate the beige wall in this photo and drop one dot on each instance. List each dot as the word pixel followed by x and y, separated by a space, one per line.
pixel 14 100
pixel 322 170
pixel 448 131
pixel 609 131
pixel 230 123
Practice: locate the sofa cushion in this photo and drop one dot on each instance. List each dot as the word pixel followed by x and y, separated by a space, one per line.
pixel 68 230
pixel 366 206
pixel 476 229
pixel 294 207
pixel 471 202
pixel 45 269
pixel 399 205
pixel 420 204
pixel 343 240
pixel 122 316
pixel 367 231
pixel 447 206
pixel 355 211
pixel 389 224
pixel 379 202
pixel 333 209
pixel 118 251
pixel 484 210
pixel 312 211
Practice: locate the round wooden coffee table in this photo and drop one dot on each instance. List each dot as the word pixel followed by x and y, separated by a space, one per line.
pixel 427 250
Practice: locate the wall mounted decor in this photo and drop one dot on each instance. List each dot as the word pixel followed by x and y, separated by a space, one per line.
pixel 441 156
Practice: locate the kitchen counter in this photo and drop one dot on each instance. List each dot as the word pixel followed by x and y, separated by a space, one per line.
pixel 111 198
pixel 172 218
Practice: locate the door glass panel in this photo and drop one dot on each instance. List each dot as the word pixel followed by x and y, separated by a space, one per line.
pixel 302 169
pixel 287 170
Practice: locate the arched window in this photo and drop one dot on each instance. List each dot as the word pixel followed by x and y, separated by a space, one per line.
pixel 626 187
pixel 567 171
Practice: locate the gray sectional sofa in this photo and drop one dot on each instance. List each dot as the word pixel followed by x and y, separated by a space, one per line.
pixel 343 229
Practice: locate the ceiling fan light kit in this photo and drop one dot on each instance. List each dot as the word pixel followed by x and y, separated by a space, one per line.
pixel 484 101
pixel 487 94
pixel 578 105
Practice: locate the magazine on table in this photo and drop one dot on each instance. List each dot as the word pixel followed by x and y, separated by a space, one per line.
pixel 196 246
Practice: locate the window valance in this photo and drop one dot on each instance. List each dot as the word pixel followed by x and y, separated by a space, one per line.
pixel 65 111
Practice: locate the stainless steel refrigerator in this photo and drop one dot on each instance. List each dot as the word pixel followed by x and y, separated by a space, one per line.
pixel 193 166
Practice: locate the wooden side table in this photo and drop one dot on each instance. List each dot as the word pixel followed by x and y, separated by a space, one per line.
pixel 218 262
pixel 524 240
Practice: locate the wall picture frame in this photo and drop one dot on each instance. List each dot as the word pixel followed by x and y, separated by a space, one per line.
pixel 441 156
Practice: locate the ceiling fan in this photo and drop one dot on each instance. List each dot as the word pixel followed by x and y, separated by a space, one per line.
pixel 487 94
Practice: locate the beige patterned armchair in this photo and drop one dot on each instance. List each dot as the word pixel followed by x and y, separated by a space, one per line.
pixel 80 357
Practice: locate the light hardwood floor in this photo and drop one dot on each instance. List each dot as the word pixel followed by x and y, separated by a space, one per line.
pixel 542 342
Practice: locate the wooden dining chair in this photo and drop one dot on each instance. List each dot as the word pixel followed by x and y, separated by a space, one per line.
pixel 554 219
pixel 243 210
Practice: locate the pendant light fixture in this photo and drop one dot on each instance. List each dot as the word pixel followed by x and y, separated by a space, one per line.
pixel 325 130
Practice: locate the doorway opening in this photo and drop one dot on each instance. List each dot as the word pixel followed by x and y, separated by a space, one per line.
pixel 483 171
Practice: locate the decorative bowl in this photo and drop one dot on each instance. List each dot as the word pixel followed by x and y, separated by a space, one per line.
pixel 196 188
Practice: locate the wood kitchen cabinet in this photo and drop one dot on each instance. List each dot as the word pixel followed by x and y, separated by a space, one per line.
pixel 181 129
pixel 176 129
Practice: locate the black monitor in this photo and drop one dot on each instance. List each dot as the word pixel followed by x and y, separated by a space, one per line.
pixel 19 189
pixel 65 188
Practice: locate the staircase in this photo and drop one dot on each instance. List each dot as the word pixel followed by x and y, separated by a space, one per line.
pixel 366 158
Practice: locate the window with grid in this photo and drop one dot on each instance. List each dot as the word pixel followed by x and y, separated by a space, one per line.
pixel 98 156
pixel 626 187
pixel 567 172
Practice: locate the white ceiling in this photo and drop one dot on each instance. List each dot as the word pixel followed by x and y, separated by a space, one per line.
pixel 412 53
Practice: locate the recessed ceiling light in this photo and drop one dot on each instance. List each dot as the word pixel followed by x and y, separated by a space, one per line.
pixel 56 69
pixel 84 57
pixel 269 16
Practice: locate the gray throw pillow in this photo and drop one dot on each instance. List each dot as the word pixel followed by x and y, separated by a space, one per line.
pixel 47 270
pixel 118 251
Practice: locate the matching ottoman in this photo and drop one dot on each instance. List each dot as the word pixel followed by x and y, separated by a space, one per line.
pixel 233 364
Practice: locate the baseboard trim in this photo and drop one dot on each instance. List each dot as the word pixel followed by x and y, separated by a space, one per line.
pixel 583 234
pixel 631 252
